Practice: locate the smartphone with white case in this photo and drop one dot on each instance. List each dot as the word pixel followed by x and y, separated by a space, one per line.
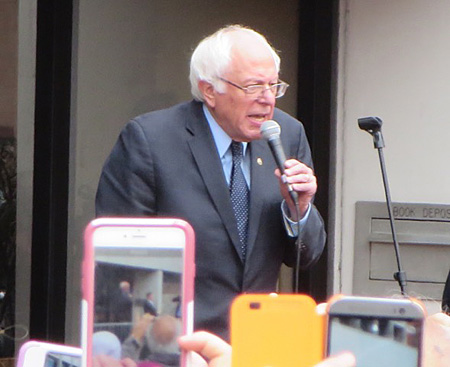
pixel 138 289
pixel 42 354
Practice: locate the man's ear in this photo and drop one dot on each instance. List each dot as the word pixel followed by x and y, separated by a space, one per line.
pixel 208 93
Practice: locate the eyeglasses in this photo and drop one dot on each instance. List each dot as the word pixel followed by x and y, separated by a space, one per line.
pixel 278 89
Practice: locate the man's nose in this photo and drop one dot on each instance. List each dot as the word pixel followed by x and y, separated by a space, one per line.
pixel 266 96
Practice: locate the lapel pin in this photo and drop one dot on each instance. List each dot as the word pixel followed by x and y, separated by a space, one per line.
pixel 259 161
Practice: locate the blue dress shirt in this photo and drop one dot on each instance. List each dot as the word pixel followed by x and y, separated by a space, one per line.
pixel 223 142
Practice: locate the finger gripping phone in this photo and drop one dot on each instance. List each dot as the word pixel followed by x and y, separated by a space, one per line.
pixel 138 288
pixel 378 331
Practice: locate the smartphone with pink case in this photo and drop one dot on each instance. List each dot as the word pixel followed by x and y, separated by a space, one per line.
pixel 42 354
pixel 138 290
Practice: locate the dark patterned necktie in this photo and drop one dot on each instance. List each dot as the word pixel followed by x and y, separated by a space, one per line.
pixel 239 195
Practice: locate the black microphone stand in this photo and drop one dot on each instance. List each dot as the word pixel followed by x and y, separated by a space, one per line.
pixel 373 126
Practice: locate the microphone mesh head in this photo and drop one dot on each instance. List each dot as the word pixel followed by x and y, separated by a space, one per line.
pixel 270 130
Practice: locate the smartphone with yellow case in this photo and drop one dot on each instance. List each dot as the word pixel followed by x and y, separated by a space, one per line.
pixel 276 330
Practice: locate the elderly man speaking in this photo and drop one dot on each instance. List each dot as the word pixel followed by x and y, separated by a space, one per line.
pixel 204 161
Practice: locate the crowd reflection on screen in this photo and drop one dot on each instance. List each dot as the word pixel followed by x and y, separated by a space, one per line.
pixel 402 331
pixel 62 360
pixel 137 312
pixel 377 341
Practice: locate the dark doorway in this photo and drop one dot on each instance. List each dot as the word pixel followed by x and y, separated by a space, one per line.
pixel 317 23
pixel 51 170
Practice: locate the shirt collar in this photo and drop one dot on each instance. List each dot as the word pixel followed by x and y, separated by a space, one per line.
pixel 221 138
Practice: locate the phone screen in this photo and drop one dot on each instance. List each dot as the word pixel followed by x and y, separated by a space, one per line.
pixel 376 341
pixel 139 284
pixel 55 359
pixel 35 353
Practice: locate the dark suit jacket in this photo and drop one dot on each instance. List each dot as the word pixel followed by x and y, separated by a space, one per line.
pixel 166 163
pixel 149 307
pixel 446 296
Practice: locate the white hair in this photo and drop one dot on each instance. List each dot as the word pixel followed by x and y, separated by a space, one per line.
pixel 213 55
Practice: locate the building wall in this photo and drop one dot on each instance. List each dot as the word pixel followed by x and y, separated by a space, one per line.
pixel 131 57
pixel 393 63
pixel 8 67
pixel 26 70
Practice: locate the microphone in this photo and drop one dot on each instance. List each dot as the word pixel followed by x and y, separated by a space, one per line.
pixel 373 126
pixel 270 131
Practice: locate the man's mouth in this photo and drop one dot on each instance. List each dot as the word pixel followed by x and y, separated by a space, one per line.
pixel 259 118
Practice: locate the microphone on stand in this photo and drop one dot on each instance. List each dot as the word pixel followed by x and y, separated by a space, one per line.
pixel 373 126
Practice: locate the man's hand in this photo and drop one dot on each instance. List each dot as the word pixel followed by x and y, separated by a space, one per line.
pixel 218 352
pixel 302 180
pixel 436 348
pixel 208 347
pixel 344 359
pixel 140 328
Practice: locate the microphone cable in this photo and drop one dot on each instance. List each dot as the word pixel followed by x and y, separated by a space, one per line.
pixel 298 250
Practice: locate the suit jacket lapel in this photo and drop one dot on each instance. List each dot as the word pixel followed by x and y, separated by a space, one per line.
pixel 260 157
pixel 208 163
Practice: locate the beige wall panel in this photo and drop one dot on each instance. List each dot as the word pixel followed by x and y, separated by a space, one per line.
pixel 393 63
